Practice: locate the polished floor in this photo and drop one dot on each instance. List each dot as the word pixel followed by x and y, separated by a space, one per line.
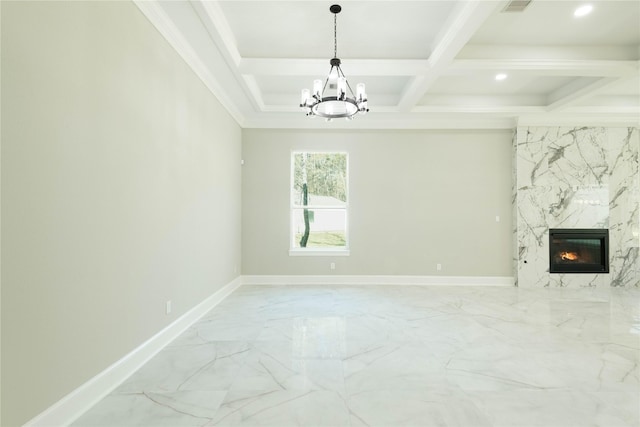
pixel 394 356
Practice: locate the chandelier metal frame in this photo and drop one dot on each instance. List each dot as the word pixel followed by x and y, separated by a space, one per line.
pixel 342 104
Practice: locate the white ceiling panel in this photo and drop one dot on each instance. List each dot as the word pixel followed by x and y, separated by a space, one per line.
pixel 551 23
pixel 304 29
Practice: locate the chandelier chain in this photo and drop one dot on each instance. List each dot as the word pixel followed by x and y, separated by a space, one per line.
pixel 335 35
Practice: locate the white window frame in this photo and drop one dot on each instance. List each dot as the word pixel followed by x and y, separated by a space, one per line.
pixel 331 251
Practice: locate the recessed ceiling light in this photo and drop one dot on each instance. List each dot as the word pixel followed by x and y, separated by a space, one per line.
pixel 501 76
pixel 583 10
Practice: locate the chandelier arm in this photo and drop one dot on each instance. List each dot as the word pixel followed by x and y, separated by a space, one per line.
pixel 326 82
pixel 353 94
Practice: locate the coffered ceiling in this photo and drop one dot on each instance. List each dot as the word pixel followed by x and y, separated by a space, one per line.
pixel 426 64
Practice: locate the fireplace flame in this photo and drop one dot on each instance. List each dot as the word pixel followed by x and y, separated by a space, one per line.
pixel 568 256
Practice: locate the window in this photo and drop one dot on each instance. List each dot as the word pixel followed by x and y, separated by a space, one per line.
pixel 319 203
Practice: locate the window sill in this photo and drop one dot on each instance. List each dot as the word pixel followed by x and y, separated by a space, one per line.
pixel 319 252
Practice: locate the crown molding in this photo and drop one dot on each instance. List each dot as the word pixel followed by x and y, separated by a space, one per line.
pixel 165 26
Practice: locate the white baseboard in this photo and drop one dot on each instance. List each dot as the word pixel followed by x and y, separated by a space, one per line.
pixel 378 280
pixel 70 407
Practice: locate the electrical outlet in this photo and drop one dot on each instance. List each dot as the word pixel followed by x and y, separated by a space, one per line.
pixel 168 307
pixel 497 218
pixel 333 265
pixel 438 267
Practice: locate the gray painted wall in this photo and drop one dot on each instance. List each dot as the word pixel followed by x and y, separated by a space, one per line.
pixel 120 191
pixel 417 198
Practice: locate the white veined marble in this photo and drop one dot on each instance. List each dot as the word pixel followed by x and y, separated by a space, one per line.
pixel 576 178
pixel 394 356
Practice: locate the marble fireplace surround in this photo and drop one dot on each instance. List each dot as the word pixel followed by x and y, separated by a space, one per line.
pixel 582 177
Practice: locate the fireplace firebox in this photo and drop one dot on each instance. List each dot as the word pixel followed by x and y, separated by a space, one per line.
pixel 578 250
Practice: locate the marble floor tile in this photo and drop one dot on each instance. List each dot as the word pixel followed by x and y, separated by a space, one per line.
pixel 275 366
pixel 428 407
pixel 210 366
pixel 394 356
pixel 558 408
pixel 183 408
pixel 285 408
pixel 393 366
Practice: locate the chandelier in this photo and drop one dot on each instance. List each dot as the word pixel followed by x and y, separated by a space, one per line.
pixel 342 104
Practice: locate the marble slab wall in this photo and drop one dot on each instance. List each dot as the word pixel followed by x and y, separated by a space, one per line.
pixel 586 177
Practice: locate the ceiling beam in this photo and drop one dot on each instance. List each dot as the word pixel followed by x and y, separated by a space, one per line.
pixel 579 119
pixel 606 110
pixel 577 91
pixel 547 52
pixel 550 67
pixel 218 28
pixel 313 67
pixel 384 120
pixel 493 101
pixel 412 67
pixel 460 27
pixel 501 110
pixel 286 102
pixel 183 46
pixel 254 88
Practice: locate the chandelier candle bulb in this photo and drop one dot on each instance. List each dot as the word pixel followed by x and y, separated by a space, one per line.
pixel 360 92
pixel 304 97
pixel 342 88
pixel 317 88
